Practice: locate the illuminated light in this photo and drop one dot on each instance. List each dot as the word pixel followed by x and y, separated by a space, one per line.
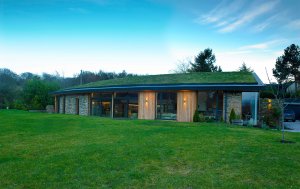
pixel 146 100
pixel 184 101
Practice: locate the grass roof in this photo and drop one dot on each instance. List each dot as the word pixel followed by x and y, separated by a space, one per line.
pixel 186 78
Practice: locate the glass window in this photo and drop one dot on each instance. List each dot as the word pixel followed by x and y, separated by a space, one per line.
pixel 166 106
pixel 101 104
pixel 210 104
pixel 126 105
pixel 101 108
pixel 249 107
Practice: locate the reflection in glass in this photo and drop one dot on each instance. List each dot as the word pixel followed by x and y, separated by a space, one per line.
pixel 249 107
pixel 210 104
pixel 166 106
pixel 126 105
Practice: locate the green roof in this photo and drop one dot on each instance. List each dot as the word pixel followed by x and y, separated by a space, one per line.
pixel 186 78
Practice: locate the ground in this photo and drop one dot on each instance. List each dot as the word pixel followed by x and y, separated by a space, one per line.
pixel 67 151
pixel 293 126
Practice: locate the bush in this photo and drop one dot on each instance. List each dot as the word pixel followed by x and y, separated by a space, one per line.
pixel 196 117
pixel 232 115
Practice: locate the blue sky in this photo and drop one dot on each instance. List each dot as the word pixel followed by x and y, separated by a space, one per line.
pixel 144 37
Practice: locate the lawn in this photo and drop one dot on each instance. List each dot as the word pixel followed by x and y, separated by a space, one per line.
pixel 67 151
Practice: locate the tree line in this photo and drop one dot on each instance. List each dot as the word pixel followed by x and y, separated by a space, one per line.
pixel 31 91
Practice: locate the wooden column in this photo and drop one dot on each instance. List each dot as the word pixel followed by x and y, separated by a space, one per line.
pixel 147 101
pixel 186 105
pixel 55 104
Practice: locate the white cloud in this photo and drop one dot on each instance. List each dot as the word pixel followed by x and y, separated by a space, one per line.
pixel 221 11
pixel 294 24
pixel 268 22
pixel 229 16
pixel 250 15
pixel 264 45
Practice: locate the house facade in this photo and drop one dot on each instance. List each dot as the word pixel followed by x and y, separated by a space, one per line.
pixel 166 97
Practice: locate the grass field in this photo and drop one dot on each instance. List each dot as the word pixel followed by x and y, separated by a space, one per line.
pixel 65 151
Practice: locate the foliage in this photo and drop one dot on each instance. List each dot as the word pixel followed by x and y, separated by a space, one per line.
pixel 68 151
pixel 244 68
pixel 9 87
pixel 12 86
pixel 196 117
pixel 232 115
pixel 36 94
pixel 287 65
pixel 204 62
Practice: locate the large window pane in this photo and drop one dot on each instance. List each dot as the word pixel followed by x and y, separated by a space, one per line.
pixel 166 106
pixel 126 105
pixel 101 108
pixel 101 104
pixel 249 107
pixel 210 104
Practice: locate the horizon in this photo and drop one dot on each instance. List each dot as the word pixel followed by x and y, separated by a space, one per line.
pixel 144 37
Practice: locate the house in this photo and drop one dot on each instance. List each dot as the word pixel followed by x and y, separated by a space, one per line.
pixel 166 97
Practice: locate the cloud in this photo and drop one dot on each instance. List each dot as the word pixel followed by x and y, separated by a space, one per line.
pixel 227 17
pixel 294 24
pixel 268 22
pixel 221 11
pixel 264 45
pixel 250 15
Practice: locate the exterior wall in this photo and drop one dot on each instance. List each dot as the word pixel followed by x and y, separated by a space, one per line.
pixel 84 105
pixel 70 106
pixel 147 101
pixel 55 104
pixel 232 100
pixel 61 105
pixel 186 105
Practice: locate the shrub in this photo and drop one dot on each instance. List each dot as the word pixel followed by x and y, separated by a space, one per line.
pixel 196 117
pixel 232 115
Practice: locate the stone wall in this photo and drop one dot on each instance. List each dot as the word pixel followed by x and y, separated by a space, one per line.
pixel 232 101
pixel 71 106
pixel 84 105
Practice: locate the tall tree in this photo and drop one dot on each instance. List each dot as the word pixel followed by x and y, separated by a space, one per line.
pixel 244 68
pixel 204 62
pixel 287 66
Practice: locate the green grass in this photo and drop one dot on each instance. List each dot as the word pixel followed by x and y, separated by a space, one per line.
pixel 67 151
pixel 187 78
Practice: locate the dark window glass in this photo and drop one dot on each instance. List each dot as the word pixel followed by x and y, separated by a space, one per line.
pixel 101 108
pixel 166 106
pixel 126 105
pixel 210 104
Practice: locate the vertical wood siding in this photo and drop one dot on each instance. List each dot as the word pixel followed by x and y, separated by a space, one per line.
pixel 186 105
pixel 147 105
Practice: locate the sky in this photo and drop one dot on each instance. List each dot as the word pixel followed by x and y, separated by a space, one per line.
pixel 144 36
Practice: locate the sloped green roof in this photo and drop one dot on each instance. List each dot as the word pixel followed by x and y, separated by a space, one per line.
pixel 186 78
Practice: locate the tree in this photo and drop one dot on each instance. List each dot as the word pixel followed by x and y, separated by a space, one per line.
pixel 244 68
pixel 36 93
pixel 204 62
pixel 183 66
pixel 287 66
pixel 9 87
